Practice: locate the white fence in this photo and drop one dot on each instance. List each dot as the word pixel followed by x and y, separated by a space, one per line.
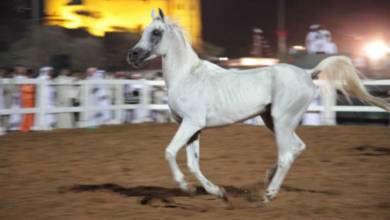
pixel 328 107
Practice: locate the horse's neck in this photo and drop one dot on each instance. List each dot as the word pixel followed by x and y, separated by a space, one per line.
pixel 179 62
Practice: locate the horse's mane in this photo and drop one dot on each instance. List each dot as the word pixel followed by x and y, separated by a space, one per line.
pixel 177 27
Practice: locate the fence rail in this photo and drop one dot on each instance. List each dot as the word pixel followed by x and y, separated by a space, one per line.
pixel 328 107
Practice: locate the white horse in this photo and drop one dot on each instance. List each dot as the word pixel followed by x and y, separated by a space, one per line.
pixel 203 95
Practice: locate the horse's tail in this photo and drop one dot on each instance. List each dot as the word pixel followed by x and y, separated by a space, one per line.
pixel 341 73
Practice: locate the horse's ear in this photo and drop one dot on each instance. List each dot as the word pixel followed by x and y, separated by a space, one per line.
pixel 161 13
pixel 153 13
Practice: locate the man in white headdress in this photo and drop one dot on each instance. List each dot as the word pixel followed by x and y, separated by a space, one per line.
pixel 159 96
pixel 15 119
pixel 134 91
pixel 2 106
pixel 311 39
pixel 103 99
pixel 328 46
pixel 99 98
pixel 48 100
pixel 66 94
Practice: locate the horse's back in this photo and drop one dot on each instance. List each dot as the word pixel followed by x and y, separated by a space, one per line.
pixel 293 89
pixel 292 75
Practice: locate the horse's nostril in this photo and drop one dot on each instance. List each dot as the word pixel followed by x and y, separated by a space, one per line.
pixel 134 53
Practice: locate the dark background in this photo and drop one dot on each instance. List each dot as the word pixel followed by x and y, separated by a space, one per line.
pixel 228 23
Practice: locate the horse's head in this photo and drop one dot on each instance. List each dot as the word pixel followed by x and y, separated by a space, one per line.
pixel 151 43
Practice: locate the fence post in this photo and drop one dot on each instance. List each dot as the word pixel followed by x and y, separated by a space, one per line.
pixel 119 100
pixel 41 105
pixel 328 101
pixel 84 101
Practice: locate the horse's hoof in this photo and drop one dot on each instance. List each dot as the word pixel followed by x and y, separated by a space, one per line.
pixel 223 194
pixel 184 186
pixel 191 190
pixel 268 197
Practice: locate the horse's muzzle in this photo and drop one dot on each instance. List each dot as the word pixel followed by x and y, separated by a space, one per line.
pixel 136 56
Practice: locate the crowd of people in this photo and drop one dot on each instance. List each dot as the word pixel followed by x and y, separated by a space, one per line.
pixel 63 90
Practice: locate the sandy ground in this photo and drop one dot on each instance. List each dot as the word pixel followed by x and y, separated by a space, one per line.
pixel 119 172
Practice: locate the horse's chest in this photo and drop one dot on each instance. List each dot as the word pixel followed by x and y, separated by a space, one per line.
pixel 185 105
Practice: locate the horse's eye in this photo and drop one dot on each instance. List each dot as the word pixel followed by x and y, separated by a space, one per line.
pixel 156 32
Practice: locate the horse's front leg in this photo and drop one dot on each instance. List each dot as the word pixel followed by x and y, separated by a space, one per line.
pixel 193 156
pixel 184 133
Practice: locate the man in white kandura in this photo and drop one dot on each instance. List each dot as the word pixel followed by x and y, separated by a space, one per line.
pixel 202 95
pixel 99 98
pixel 66 93
pixel 311 38
pixel 48 99
pixel 2 106
pixel 15 119
pixel 329 47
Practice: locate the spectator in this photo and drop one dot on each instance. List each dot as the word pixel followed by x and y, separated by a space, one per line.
pixel 98 98
pixel 7 96
pixel 328 47
pixel 48 99
pixel 133 92
pixel 2 106
pixel 28 101
pixel 160 97
pixel 66 96
pixel 319 41
pixel 311 38
pixel 15 119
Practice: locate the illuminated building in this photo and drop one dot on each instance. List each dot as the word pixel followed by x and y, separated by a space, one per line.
pixel 101 16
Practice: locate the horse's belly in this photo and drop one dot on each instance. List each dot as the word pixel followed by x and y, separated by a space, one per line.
pixel 225 116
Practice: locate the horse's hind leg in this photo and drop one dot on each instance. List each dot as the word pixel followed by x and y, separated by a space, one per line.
pixel 193 165
pixel 289 145
pixel 269 123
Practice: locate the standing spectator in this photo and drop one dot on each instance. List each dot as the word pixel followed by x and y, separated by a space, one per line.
pixel 133 95
pixel 103 100
pixel 160 97
pixel 311 38
pixel 90 116
pixel 319 41
pixel 7 95
pixel 2 106
pixel 66 94
pixel 119 115
pixel 15 119
pixel 328 47
pixel 98 98
pixel 48 98
pixel 28 101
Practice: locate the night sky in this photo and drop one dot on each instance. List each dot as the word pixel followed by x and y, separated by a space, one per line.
pixel 228 23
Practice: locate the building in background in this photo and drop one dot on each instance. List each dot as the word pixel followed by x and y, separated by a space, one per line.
pixel 99 17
